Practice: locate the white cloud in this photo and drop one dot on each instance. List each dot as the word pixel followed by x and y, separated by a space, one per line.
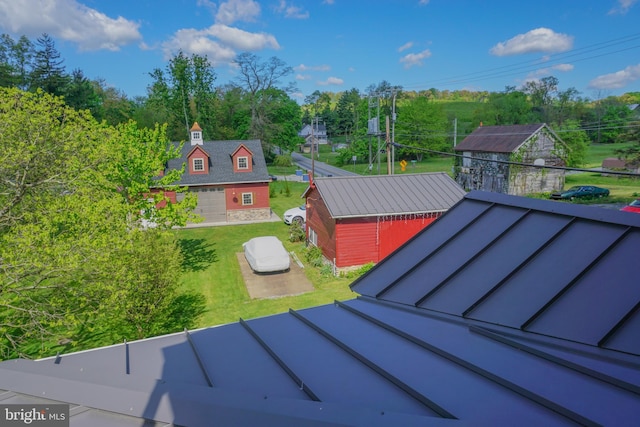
pixel 407 45
pixel 328 1
pixel 303 77
pixel 423 2
pixel 240 39
pixel 542 72
pixel 303 67
pixel 331 81
pixel 538 40
pixel 198 42
pixel 68 20
pixel 291 11
pixel 413 59
pixel 237 10
pixel 623 7
pixel 616 80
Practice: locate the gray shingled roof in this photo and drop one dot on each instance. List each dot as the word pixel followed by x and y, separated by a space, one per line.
pixel 221 163
pixel 498 139
pixel 362 196
pixel 505 311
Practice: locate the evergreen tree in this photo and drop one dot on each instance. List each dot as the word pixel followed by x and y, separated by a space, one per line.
pixel 48 70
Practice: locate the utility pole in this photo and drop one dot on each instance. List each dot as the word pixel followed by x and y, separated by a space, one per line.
pixel 393 135
pixel 455 131
pixel 388 141
pixel 313 142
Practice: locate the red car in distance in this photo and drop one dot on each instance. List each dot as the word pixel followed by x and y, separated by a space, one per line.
pixel 632 207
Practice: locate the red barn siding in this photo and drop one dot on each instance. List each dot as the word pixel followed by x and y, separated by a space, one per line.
pixel 395 231
pixel 319 219
pixel 356 241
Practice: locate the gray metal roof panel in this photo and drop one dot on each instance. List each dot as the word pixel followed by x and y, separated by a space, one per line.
pixel 498 139
pixel 388 194
pixel 221 163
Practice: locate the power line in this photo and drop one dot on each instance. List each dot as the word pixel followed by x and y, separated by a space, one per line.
pixel 508 162
pixel 531 65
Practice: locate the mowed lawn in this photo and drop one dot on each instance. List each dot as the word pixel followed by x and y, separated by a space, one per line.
pixel 211 266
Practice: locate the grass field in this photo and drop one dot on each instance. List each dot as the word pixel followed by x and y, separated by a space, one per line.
pixel 213 268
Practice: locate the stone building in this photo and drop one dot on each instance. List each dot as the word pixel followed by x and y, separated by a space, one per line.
pixel 494 158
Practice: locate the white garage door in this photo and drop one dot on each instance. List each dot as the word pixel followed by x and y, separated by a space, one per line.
pixel 211 204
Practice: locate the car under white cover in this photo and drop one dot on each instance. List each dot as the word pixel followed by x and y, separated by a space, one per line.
pixel 266 254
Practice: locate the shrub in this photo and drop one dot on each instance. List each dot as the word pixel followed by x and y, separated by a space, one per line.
pixel 282 161
pixel 314 257
pixel 297 233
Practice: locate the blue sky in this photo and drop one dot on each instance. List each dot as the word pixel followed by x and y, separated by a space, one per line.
pixel 336 45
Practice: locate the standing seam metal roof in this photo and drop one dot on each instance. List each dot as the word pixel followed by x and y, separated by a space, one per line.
pixel 379 195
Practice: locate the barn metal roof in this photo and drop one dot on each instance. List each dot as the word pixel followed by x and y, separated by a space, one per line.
pixel 505 311
pixel 362 196
pixel 499 139
pixel 221 163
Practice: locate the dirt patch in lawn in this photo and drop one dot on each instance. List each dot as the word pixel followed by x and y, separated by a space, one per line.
pixel 274 285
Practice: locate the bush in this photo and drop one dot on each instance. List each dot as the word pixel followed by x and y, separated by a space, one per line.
pixel 354 274
pixel 282 161
pixel 314 256
pixel 297 233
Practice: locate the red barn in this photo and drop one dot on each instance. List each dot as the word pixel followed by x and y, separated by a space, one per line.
pixel 358 220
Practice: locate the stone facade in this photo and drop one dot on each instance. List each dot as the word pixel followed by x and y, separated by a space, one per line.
pixel 240 215
pixel 489 171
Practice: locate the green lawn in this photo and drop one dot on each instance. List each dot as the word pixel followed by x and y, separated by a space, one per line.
pixel 211 266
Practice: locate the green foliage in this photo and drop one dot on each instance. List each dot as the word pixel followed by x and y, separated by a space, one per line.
pixel 282 161
pixel 71 260
pixel 140 155
pixel 576 140
pixel 297 233
pixel 354 274
pixel 183 94
pixel 313 255
pixel 423 124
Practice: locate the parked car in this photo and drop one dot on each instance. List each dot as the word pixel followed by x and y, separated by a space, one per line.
pixel 297 214
pixel 266 254
pixel 632 207
pixel 581 192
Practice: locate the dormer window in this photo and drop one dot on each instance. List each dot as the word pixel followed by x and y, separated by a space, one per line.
pixel 243 163
pixel 198 165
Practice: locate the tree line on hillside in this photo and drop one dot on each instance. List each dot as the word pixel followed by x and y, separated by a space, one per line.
pixel 258 104
pixel 430 120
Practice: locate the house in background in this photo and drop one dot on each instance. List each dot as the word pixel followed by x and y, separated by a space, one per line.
pixel 618 165
pixel 362 219
pixel 487 151
pixel 314 132
pixel 229 177
pixel 507 311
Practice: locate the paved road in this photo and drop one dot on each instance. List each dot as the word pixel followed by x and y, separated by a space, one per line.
pixel 319 168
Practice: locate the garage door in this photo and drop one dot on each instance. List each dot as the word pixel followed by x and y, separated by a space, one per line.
pixel 211 204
